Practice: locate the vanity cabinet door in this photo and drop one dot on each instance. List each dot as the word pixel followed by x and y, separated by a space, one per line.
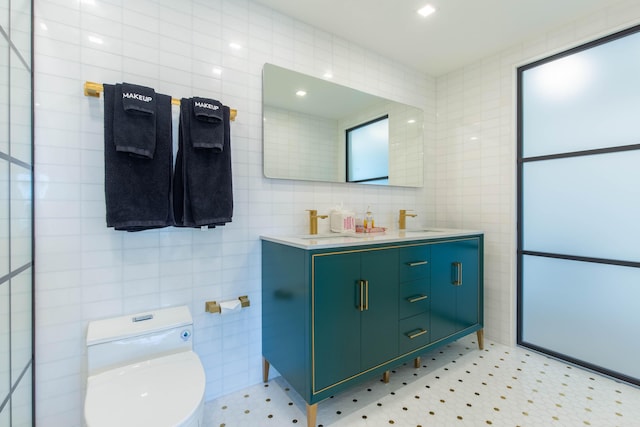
pixel 355 314
pixel 380 318
pixel 454 287
pixel 336 332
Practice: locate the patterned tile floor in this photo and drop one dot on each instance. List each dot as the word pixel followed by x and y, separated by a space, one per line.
pixel 457 385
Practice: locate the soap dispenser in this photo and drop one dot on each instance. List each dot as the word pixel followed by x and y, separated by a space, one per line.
pixel 368 220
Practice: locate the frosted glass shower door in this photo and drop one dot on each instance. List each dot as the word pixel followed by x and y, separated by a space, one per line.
pixel 583 310
pixel 579 205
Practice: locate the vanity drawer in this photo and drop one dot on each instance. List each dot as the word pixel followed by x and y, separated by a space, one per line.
pixel 414 297
pixel 414 332
pixel 415 262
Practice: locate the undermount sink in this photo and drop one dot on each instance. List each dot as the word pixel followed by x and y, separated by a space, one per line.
pixel 424 230
pixel 330 236
pixel 317 236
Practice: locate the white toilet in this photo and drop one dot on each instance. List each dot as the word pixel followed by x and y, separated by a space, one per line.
pixel 142 371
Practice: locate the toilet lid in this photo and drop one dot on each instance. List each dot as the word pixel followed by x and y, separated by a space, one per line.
pixel 164 391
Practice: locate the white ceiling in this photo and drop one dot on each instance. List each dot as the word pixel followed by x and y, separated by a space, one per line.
pixel 459 33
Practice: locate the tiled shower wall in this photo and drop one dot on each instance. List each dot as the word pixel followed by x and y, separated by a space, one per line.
pixel 476 152
pixel 85 271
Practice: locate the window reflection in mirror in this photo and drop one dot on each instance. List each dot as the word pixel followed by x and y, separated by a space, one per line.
pixel 304 137
pixel 368 152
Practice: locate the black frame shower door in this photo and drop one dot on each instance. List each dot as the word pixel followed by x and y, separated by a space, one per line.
pixel 578 180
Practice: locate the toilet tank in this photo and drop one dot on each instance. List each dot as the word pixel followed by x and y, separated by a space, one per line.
pixel 137 337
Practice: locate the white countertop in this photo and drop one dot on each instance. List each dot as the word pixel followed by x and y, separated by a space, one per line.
pixel 336 240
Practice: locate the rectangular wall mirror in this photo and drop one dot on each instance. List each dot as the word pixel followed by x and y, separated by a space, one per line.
pixel 305 129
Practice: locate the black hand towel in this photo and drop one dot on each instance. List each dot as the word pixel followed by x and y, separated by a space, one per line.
pixel 202 186
pixel 137 189
pixel 207 129
pixel 135 120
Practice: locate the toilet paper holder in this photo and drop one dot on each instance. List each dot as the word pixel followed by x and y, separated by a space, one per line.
pixel 214 306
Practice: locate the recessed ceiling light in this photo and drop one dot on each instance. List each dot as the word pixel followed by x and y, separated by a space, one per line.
pixel 301 93
pixel 234 45
pixel 328 75
pixel 426 10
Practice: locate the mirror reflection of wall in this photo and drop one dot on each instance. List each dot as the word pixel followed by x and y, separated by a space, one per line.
pixel 304 136
pixel 300 146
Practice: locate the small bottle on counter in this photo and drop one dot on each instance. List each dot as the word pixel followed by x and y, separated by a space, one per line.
pixel 369 222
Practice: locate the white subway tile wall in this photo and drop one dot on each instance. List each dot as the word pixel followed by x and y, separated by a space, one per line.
pixel 85 271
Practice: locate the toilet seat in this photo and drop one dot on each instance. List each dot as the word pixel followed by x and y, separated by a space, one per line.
pixel 165 391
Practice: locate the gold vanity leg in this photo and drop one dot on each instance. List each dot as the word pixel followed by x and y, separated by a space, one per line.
pixel 312 412
pixel 265 370
pixel 416 362
pixel 480 334
pixel 385 376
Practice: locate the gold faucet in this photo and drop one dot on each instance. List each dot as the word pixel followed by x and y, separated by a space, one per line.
pixel 313 220
pixel 403 219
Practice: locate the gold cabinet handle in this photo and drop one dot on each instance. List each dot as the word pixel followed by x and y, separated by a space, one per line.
pixel 458 279
pixel 417 333
pixel 366 295
pixel 417 298
pixel 417 263
pixel 363 303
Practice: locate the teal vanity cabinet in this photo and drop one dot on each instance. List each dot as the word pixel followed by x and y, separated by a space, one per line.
pixel 336 314
pixel 353 313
